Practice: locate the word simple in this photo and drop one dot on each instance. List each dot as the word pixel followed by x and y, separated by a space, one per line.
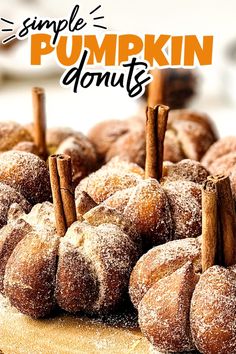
pixel 113 49
pixel 71 24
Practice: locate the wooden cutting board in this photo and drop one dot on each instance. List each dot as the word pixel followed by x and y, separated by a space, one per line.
pixel 64 334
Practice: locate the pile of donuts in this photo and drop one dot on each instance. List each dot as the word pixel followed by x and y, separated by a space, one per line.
pixel 129 209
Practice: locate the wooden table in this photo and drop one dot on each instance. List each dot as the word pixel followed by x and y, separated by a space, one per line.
pixel 64 334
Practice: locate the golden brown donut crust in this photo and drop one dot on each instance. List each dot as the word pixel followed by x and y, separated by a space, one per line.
pixel 83 156
pixel 220 148
pixel 76 284
pixel 184 198
pixel 188 170
pixel 162 261
pixel 164 311
pixel 26 173
pixel 224 164
pixel 8 196
pixel 148 210
pixel 104 134
pixel 189 135
pixel 30 273
pixel 10 236
pixel 213 312
pixel 110 255
pixel 195 131
pixel 109 179
pixel 56 135
pixel 130 147
pixel 27 146
pixel 11 133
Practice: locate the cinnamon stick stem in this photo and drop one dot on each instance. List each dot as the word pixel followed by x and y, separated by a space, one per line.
pixel 161 131
pixel 156 124
pixel 209 225
pixel 151 143
pixel 62 192
pixel 226 211
pixel 56 195
pixel 66 187
pixel 38 96
pixel 156 88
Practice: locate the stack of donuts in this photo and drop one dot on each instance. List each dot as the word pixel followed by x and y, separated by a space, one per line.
pixel 85 221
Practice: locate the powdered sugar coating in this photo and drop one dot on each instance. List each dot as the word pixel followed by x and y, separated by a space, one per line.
pixel 172 147
pixel 112 255
pixel 130 147
pixel 187 169
pixel 9 196
pixel 105 133
pixel 29 280
pixel 164 311
pixel 161 213
pixel 82 153
pixel 76 282
pixel 119 163
pixel 148 210
pixel 42 218
pixel 220 148
pixel 195 131
pixel 109 179
pixel 10 236
pixel 213 312
pixel 92 270
pixel 11 133
pixel 160 262
pixel 184 198
pixel 119 200
pixel 27 146
pixel 224 164
pixel 26 173
pixel 56 135
pixel 103 214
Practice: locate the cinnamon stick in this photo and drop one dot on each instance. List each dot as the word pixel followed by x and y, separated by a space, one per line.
pixel 66 186
pixel 227 218
pixel 209 225
pixel 38 97
pixel 218 223
pixel 156 124
pixel 62 192
pixel 156 88
pixel 163 112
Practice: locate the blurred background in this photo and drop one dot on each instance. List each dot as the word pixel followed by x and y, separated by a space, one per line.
pixel 216 84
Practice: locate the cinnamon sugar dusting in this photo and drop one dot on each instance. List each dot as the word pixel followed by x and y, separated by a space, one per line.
pixel 26 173
pixel 11 133
pixel 164 311
pixel 109 179
pixel 213 312
pixel 160 262
pixel 184 198
pixel 9 196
